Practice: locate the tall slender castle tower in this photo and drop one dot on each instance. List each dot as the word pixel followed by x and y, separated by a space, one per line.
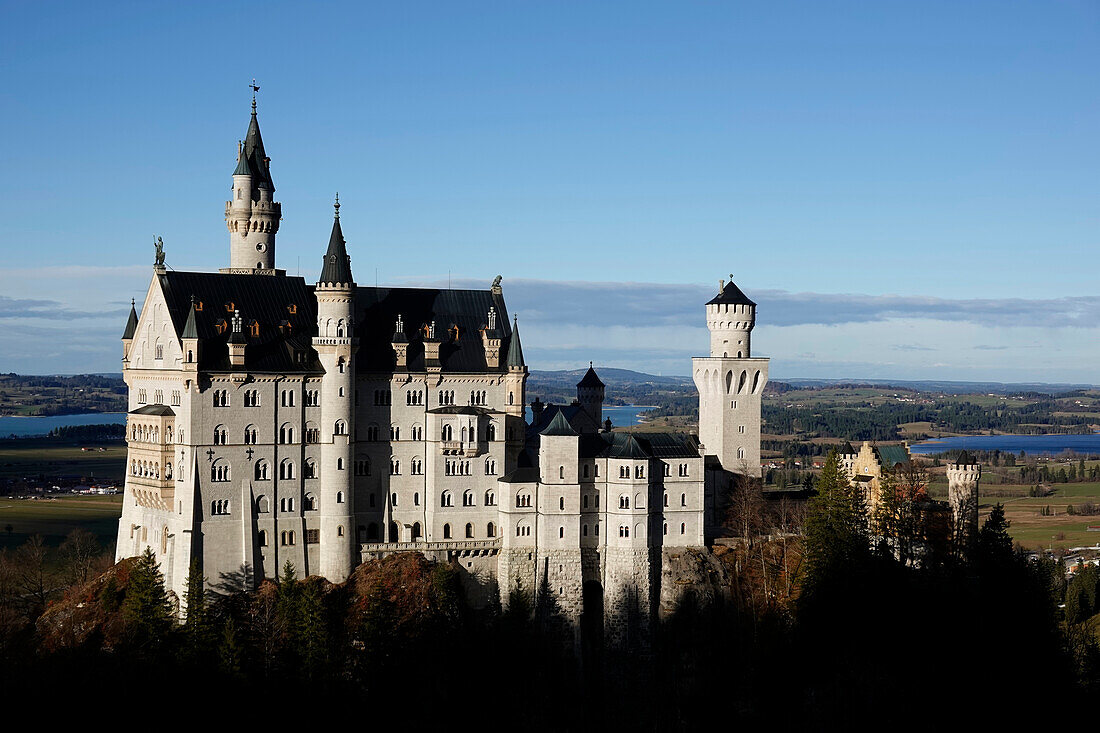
pixel 962 494
pixel 252 214
pixel 730 382
pixel 336 348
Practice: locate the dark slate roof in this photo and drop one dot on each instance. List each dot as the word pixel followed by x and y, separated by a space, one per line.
pixel 657 445
pixel 847 449
pixel 515 351
pixel 892 455
pixel 524 475
pixel 243 168
pixel 190 330
pixel 257 158
pixel 337 264
pixel 578 418
pixel 862 478
pixel 590 379
pixel 731 295
pixel 131 323
pixel 377 310
pixel 559 426
pixel 462 410
pixel 629 448
pixel 265 299
pixel 161 410
pixel 964 459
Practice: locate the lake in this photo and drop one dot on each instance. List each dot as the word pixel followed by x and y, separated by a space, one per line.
pixel 622 416
pixel 24 427
pixel 1029 444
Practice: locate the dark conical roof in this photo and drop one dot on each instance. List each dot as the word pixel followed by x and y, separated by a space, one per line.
pixel 731 295
pixel 337 266
pixel 590 379
pixel 256 157
pixel 190 330
pixel 847 449
pixel 559 426
pixel 243 168
pixel 515 351
pixel 131 323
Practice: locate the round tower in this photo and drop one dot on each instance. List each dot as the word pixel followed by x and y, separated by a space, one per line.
pixel 730 318
pixel 590 393
pixel 252 215
pixel 963 476
pixel 335 346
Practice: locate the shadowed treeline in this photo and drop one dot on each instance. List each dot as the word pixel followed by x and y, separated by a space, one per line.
pixel 816 631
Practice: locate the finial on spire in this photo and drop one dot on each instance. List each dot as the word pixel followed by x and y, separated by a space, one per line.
pixel 254 90
pixel 731 277
pixel 133 302
pixel 589 365
pixel 336 206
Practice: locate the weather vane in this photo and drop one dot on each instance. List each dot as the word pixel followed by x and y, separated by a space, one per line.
pixel 254 90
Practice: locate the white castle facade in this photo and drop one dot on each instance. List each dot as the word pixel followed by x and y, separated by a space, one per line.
pixel 273 421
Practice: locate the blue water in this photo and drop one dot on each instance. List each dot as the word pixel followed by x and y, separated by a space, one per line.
pixel 24 427
pixel 1029 444
pixel 622 416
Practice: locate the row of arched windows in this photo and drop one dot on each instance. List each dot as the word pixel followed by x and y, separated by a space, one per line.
pixel 149 433
pixel 149 469
pixel 490 531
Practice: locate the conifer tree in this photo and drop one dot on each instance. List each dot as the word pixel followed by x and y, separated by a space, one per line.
pixel 835 526
pixel 197 619
pixel 146 610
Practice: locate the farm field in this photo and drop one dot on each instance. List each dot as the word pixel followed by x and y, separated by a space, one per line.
pixel 1032 529
pixel 54 518
pixel 33 457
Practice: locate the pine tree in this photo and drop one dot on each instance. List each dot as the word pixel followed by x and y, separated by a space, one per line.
pixel 146 610
pixel 835 526
pixel 197 619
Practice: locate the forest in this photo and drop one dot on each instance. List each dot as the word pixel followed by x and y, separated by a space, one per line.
pixel 819 620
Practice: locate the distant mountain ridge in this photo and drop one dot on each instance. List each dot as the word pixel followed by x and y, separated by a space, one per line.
pixel 609 376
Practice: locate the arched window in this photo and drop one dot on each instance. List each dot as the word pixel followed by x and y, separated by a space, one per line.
pixel 491 432
pixel 467 498
pixel 446 499
pixel 250 435
pixel 340 428
pixel 446 531
pixel 469 531
pixel 561 504
pixel 416 498
pixel 219 471
pixel 490 498
pixel 624 502
pixel 286 469
pixel 311 503
pixel 309 469
pixel 490 530
pixel 683 527
pixel 262 538
pixel 220 435
pixel 446 432
pixel 561 533
pixel 339 497
pixel 286 433
pixel 561 472
pixel 261 470
pixel 416 531
pixel 683 499
pixel 262 505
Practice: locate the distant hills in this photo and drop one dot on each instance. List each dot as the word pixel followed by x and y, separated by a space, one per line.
pixel 944 386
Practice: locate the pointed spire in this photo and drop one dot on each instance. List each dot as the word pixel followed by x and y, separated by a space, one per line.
pixel 337 264
pixel 131 322
pixel 254 152
pixel 515 351
pixel 243 168
pixel 190 330
pixel 590 378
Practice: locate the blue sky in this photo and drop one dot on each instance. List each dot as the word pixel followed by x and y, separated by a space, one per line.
pixel 909 190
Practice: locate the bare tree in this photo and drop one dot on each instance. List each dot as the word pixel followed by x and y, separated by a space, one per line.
pixel 79 553
pixel 745 515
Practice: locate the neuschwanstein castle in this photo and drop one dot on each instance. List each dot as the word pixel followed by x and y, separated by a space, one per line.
pixel 273 420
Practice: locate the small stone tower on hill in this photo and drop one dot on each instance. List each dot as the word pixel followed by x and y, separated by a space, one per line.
pixel 963 476
pixel 590 394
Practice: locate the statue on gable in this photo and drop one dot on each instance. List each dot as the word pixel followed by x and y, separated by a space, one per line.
pixel 159 245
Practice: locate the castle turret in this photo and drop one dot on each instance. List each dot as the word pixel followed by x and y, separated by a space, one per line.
pixel 590 393
pixel 730 383
pixel 559 509
pixel 128 334
pixel 516 383
pixel 963 476
pixel 336 348
pixel 252 215
pixel 190 340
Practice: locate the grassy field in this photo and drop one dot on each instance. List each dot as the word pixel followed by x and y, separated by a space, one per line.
pixel 1033 530
pixel 55 518
pixel 34 457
